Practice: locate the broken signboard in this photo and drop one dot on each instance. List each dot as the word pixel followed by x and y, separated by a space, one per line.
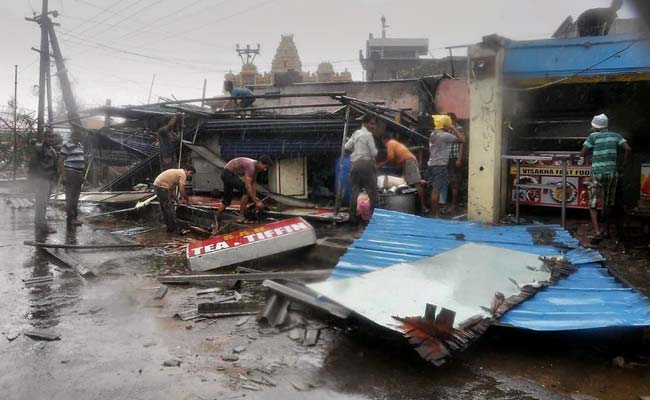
pixel 249 244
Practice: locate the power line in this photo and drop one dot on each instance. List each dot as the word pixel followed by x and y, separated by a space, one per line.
pixel 95 17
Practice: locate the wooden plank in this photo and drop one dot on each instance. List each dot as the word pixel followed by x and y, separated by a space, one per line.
pixel 312 274
pixel 83 246
pixel 71 262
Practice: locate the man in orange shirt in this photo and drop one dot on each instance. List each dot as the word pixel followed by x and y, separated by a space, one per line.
pixel 400 156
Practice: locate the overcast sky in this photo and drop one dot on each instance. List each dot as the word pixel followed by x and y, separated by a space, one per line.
pixel 113 47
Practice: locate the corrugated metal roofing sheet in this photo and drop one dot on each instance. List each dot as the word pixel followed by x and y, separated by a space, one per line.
pixel 589 298
pixel 585 55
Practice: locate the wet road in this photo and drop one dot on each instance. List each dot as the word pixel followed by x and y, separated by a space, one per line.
pixel 115 338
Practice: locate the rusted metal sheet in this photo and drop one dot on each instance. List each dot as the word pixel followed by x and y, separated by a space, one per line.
pixel 250 244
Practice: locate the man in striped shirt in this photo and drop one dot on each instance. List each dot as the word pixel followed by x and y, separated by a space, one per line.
pixel 72 166
pixel 604 145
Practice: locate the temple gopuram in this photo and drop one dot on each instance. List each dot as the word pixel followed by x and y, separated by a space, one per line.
pixel 286 69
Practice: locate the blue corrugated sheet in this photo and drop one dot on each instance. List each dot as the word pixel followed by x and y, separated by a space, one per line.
pixel 554 58
pixel 589 298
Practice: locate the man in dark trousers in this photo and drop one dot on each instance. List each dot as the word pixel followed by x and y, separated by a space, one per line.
pixel 603 145
pixel 72 163
pixel 598 21
pixel 233 172
pixel 363 170
pixel 167 144
pixel 165 187
pixel 43 171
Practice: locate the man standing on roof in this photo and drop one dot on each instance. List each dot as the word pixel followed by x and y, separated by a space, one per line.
pixel 246 101
pixel 42 172
pixel 598 21
pixel 604 145
pixel 165 187
pixel 167 144
pixel 400 156
pixel 72 164
pixel 363 170
pixel 437 170
pixel 233 172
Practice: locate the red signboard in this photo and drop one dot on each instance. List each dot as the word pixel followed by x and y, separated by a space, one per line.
pixel 240 238
pixel 550 173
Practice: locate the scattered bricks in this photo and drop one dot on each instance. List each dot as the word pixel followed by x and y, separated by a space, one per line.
pixel 172 363
pixel 296 334
pixel 230 358
pixel 242 321
pixel 239 349
pixel 42 335
pixel 160 293
pixel 311 337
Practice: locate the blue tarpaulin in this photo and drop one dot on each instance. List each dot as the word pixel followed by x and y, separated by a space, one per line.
pixel 589 298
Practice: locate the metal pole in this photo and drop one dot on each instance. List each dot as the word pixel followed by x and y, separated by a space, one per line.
pixel 15 118
pixel 339 178
pixel 151 88
pixel 48 84
pixel 517 163
pixel 44 60
pixel 180 151
pixel 451 61
pixel 564 173
pixel 64 81
pixel 205 84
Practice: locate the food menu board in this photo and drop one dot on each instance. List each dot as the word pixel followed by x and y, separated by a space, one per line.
pixel 645 180
pixel 540 172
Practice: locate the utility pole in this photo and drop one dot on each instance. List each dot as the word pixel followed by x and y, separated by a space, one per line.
pixel 151 88
pixel 44 63
pixel 205 83
pixel 48 84
pixel 66 88
pixel 15 118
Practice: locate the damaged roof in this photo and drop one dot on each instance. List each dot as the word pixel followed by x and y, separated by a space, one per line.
pixel 589 298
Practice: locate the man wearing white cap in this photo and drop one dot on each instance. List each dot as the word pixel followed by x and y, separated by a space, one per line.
pixel 604 145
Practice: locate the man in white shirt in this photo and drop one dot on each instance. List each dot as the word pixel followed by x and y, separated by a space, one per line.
pixel 363 171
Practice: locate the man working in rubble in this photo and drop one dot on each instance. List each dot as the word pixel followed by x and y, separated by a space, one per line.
pixel 603 144
pixel 400 156
pixel 43 171
pixel 455 167
pixel 233 172
pixel 363 169
pixel 72 165
pixel 444 134
pixel 598 21
pixel 246 101
pixel 165 187
pixel 167 144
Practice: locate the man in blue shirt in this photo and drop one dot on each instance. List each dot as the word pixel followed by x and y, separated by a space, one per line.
pixel 72 163
pixel 604 145
pixel 246 101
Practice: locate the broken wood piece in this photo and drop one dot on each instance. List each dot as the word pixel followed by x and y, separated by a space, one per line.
pixel 298 275
pixel 208 291
pixel 311 337
pixel 71 263
pixel 215 310
pixel 187 315
pixel 42 335
pixel 83 246
pixel 160 293
pixel 38 279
